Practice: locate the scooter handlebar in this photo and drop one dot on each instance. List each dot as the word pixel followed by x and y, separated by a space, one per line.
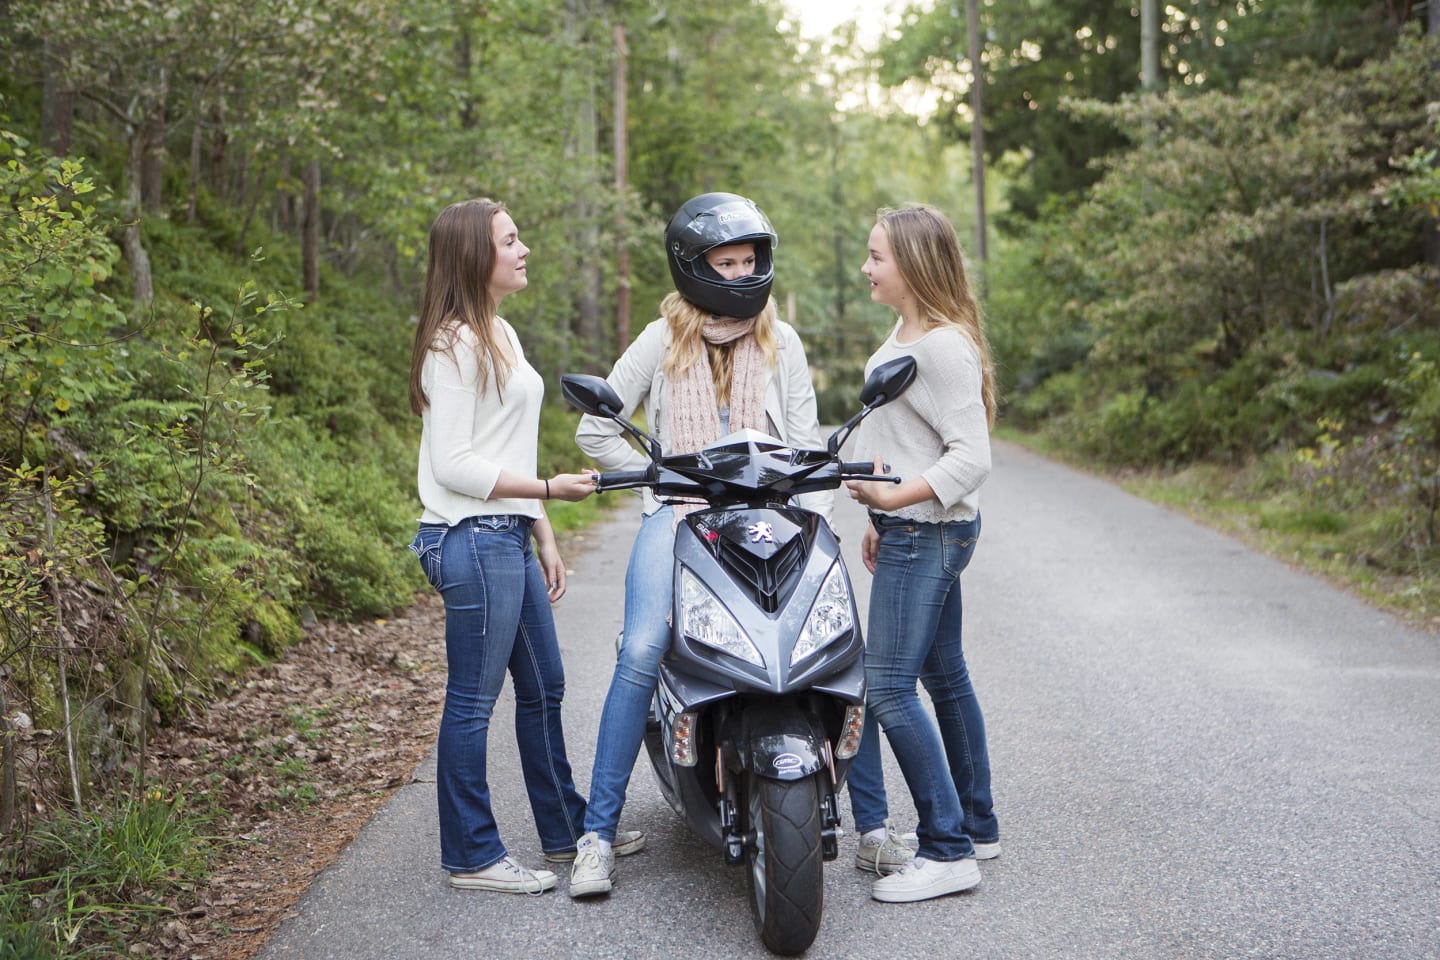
pixel 865 470
pixel 623 479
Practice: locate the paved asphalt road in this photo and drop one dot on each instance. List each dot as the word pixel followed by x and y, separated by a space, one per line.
pixel 1198 753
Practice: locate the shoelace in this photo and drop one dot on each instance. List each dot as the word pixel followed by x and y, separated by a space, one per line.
pixel 588 859
pixel 523 877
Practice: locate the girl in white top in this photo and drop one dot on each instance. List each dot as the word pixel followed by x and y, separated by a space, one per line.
pixel 936 436
pixel 479 400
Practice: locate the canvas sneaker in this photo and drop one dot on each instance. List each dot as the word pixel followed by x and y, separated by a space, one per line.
pixel 506 876
pixel 883 855
pixel 626 843
pixel 923 879
pixel 594 870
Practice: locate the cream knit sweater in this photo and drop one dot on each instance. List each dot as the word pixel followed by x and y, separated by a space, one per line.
pixel 937 429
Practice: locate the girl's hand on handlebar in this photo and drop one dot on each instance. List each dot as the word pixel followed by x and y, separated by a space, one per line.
pixel 572 486
pixel 872 493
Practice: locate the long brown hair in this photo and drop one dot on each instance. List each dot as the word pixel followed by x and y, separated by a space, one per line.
pixel 927 252
pixel 457 292
pixel 687 323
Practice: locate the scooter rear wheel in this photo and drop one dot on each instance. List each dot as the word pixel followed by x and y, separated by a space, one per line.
pixel 787 883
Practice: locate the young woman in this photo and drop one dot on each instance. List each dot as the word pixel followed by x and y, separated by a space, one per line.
pixel 922 534
pixel 479 401
pixel 718 360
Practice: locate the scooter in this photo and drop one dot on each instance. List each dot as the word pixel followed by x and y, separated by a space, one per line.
pixel 761 696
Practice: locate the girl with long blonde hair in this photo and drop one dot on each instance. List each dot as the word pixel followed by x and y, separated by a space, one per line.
pixel 718 360
pixel 922 534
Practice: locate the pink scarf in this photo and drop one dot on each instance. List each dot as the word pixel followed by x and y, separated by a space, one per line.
pixel 694 411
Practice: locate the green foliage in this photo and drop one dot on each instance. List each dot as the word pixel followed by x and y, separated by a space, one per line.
pixel 1243 286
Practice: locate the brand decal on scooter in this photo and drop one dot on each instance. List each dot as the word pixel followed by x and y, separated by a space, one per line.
pixel 760 532
pixel 786 762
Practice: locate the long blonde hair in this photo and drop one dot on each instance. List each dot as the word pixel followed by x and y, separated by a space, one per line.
pixel 927 253
pixel 457 293
pixel 687 323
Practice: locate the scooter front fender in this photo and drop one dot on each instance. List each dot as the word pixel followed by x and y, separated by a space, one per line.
pixel 780 741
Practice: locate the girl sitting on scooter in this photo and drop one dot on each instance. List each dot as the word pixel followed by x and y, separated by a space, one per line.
pixel 718 360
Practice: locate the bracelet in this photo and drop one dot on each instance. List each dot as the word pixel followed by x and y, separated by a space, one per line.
pixel 547 488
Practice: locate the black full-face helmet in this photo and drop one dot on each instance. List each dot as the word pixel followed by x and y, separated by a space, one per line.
pixel 716 220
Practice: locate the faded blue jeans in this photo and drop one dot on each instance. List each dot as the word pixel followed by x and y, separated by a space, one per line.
pixel 497 619
pixel 649 594
pixel 914 635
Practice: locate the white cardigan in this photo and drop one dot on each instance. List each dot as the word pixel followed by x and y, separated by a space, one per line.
pixel 638 376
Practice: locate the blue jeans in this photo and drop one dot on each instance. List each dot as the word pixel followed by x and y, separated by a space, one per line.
pixel 649 594
pixel 497 618
pixel 914 634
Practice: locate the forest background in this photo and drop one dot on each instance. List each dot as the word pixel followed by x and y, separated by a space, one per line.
pixel 1210 263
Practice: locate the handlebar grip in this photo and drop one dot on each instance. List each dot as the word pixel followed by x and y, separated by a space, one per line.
pixel 621 479
pixel 865 470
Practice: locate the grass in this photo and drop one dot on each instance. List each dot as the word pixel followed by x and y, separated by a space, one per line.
pixel 81 885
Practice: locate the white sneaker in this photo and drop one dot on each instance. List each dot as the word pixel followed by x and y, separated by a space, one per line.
pixel 594 869
pixel 883 856
pixel 926 879
pixel 506 876
pixel 626 843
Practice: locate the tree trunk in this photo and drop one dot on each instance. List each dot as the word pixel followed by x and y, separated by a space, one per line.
pixel 57 105
pixel 1149 45
pixel 195 143
pixel 1432 226
pixel 283 219
pixel 622 188
pixel 310 231
pixel 977 133
pixel 464 67
pixel 586 322
pixel 7 768
pixel 152 161
pixel 130 239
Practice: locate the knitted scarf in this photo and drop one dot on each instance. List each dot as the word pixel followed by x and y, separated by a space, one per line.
pixel 694 411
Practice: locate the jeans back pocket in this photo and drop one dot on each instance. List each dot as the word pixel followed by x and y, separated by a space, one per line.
pixel 427 546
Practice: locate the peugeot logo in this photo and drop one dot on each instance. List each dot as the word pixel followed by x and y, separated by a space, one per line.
pixel 786 762
pixel 760 532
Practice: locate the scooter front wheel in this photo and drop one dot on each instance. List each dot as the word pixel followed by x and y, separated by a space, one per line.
pixel 787 883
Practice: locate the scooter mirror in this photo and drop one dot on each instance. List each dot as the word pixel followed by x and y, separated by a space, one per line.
pixel 888 381
pixel 592 395
pixel 885 383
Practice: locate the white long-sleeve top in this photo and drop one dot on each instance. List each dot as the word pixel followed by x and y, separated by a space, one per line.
pixel 468 435
pixel 639 377
pixel 938 428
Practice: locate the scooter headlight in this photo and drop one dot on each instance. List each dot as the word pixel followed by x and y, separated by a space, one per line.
pixel 706 621
pixel 830 617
